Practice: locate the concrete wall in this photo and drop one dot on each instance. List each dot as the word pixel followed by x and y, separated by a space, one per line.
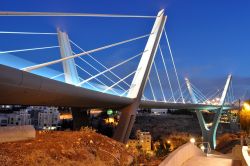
pixel 17 133
pixel 241 153
pixel 182 154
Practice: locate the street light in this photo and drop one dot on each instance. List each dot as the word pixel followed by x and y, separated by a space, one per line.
pixel 192 140
pixel 246 106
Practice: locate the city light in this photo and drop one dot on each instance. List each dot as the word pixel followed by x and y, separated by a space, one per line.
pixel 215 101
pixel 246 106
pixel 192 140
pixel 109 111
pixel 66 116
pixel 245 117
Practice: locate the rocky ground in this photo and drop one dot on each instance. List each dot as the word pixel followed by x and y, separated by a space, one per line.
pixel 162 126
pixel 88 148
pixel 226 142
pixel 85 148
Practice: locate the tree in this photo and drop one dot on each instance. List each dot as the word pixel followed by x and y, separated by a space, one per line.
pixel 162 149
pixel 245 117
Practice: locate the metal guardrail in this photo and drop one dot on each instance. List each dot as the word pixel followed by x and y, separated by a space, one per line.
pixel 204 146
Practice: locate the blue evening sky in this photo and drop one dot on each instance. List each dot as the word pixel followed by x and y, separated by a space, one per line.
pixel 209 38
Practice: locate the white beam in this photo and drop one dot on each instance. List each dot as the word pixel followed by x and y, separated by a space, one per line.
pixel 147 58
pixel 172 58
pixel 60 14
pixel 27 49
pixel 166 70
pixel 224 93
pixel 71 75
pixel 111 68
pixel 191 92
pixel 83 53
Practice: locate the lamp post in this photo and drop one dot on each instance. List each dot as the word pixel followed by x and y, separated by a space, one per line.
pixel 245 120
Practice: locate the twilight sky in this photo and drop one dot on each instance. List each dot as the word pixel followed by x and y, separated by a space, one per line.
pixel 209 39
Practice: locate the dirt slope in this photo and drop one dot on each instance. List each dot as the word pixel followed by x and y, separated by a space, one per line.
pixel 66 148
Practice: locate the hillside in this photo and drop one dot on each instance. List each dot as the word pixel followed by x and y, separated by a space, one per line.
pixel 85 148
pixel 161 126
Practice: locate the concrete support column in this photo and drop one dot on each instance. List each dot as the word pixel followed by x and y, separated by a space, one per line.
pixel 126 122
pixel 80 117
pixel 209 135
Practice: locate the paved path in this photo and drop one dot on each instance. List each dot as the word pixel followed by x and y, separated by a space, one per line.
pixel 190 155
pixel 212 160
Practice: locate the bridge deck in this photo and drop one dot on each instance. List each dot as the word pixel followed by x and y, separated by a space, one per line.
pixel 20 87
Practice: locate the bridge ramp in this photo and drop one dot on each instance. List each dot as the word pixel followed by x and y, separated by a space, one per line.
pixel 212 160
pixel 190 155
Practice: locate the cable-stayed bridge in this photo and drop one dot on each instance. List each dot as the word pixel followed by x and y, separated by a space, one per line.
pixel 87 82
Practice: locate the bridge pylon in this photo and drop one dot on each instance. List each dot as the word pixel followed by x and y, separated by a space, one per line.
pixel 69 68
pixel 128 113
pixel 209 134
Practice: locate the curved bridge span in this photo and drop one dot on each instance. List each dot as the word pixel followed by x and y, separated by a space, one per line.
pixel 20 87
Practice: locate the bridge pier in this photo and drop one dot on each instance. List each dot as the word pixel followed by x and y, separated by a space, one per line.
pixel 80 117
pixel 209 134
pixel 126 123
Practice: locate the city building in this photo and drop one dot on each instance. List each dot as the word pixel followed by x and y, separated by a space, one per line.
pixel 17 118
pixel 45 118
pixel 230 116
pixel 111 117
pixel 142 141
pixel 41 117
pixel 159 111
pixel 224 118
pixel 6 107
pixel 3 120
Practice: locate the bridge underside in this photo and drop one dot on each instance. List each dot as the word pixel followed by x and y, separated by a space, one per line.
pixel 20 87
pixel 187 106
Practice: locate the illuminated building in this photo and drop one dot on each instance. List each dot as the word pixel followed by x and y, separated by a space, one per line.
pixel 66 117
pixel 112 117
pixel 143 140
